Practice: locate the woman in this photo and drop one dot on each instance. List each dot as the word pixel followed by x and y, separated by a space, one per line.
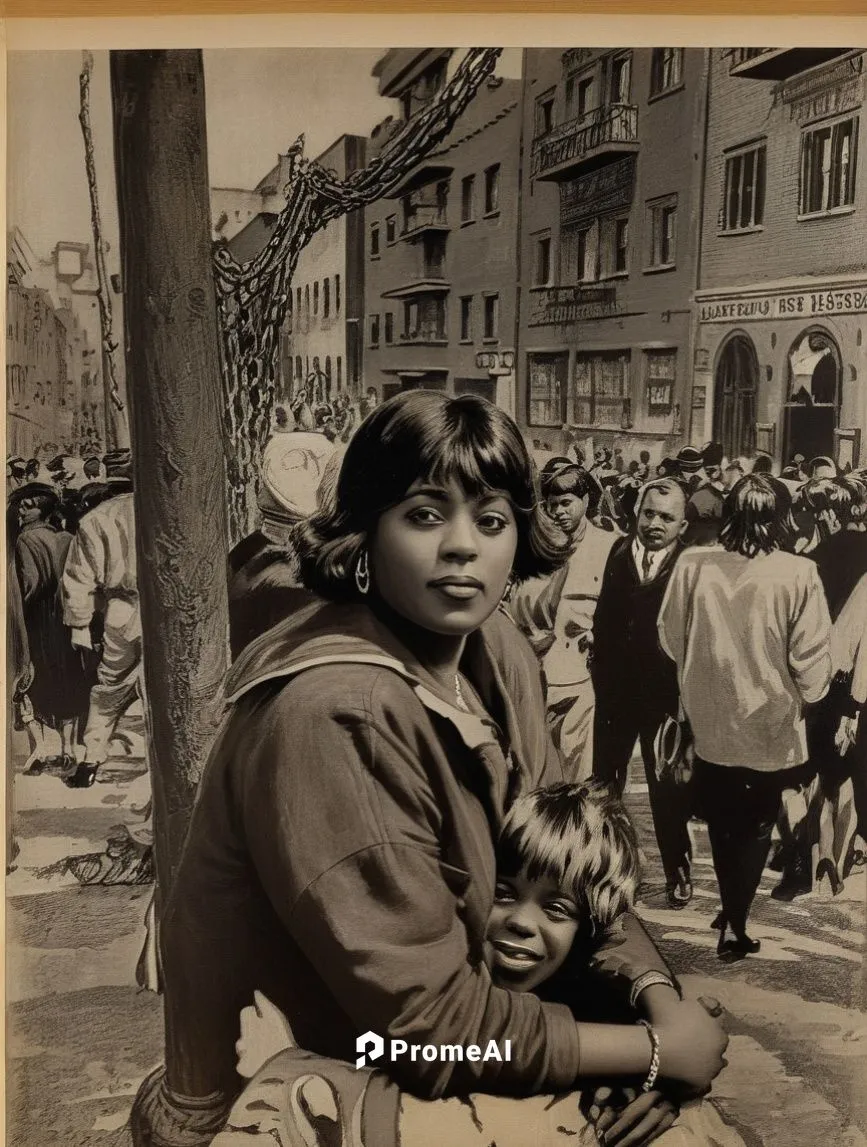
pixel 747 625
pixel 340 857
pixel 60 688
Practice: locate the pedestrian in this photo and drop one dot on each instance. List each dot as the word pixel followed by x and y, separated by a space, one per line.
pixel 704 509
pixel 58 692
pixel 19 676
pixel 732 474
pixel 690 467
pixel 747 625
pixel 842 555
pixel 302 411
pixel 101 571
pixel 634 682
pixel 556 615
pixel 763 464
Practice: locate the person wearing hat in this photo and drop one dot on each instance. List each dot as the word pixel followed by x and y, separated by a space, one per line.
pixel 15 467
pixel 705 506
pixel 101 571
pixel 58 692
pixel 690 465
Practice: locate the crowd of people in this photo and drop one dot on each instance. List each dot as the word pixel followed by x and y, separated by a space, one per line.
pixel 74 628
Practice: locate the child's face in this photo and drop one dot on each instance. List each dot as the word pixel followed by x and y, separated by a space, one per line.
pixel 530 931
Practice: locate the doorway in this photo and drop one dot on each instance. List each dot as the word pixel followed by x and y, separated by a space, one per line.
pixel 812 411
pixel 735 388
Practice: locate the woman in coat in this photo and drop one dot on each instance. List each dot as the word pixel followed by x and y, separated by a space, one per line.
pixel 340 858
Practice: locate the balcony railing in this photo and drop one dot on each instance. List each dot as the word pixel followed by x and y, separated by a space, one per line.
pixel 779 63
pixel 606 132
pixel 425 217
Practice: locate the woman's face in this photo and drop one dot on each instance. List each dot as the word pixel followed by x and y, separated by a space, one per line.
pixel 531 929
pixel 567 510
pixel 441 558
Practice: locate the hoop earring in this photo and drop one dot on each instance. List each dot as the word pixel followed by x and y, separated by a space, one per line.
pixel 507 592
pixel 362 573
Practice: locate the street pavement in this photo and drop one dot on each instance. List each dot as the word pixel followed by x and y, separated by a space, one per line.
pixel 81 1034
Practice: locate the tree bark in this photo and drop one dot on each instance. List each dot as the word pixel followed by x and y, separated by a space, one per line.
pixel 175 398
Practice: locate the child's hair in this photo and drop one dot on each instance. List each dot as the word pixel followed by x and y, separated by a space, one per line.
pixel 565 478
pixel 581 836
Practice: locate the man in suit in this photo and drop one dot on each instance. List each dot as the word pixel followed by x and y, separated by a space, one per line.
pixel 634 681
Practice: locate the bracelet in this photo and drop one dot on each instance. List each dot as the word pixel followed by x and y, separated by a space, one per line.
pixel 654 1057
pixel 646 981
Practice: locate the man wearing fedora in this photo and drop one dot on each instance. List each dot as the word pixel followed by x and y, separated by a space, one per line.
pixel 101 572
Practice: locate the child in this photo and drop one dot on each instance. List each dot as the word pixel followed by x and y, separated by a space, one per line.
pixel 567 869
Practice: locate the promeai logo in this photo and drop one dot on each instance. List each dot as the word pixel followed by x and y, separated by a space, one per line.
pixel 368 1046
pixel 371 1046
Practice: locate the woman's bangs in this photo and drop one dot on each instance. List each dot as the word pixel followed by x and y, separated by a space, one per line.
pixel 480 467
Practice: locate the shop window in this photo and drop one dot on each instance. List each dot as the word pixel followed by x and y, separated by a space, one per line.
pixel 492 316
pixel 492 189
pixel 743 204
pixel 374 330
pixel 544 120
pixel 828 160
pixel 546 390
pixel 601 387
pixel 542 270
pixel 467 318
pixel 468 195
pixel 662 230
pixel 660 370
pixel 666 70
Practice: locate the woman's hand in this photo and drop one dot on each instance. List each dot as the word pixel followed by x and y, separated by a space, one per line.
pixel 628 1117
pixel 847 734
pixel 691 1045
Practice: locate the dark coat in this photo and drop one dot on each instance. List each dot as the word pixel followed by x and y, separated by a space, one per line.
pixel 628 664
pixel 842 562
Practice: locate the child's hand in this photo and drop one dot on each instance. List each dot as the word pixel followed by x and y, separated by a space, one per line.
pixel 691 1045
pixel 639 1117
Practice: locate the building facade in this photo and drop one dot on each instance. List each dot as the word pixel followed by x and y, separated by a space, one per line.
pixel 322 344
pixel 440 254
pixel 613 153
pixel 781 306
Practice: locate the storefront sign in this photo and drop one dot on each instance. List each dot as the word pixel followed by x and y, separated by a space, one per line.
pixel 786 305
pixel 833 101
pixel 701 359
pixel 571 305
pixel 607 189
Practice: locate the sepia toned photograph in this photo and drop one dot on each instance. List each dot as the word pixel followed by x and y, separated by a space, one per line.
pixel 436 596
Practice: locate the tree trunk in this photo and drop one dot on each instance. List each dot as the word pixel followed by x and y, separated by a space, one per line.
pixel 175 398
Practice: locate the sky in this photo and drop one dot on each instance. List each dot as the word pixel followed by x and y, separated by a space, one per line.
pixel 257 102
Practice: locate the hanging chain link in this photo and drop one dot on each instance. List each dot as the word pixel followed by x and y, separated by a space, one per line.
pixel 253 297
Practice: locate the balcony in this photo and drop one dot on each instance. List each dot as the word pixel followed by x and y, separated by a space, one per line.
pixel 589 142
pixel 779 63
pixel 428 171
pixel 424 218
pixel 431 283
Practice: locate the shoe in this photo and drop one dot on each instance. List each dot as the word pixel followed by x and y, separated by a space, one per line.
pixel 737 949
pixel 826 867
pixel 679 893
pixel 793 884
pixel 35 768
pixel 82 778
pixel 719 922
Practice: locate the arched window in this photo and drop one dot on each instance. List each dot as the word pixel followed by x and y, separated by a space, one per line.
pixel 814 368
pixel 735 384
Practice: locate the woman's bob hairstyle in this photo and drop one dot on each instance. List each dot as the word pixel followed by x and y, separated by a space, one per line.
pixel 757 517
pixel 423 434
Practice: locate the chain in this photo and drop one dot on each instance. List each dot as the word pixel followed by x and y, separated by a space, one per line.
pixel 253 297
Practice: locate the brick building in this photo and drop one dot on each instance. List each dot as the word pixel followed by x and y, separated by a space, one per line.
pixel 781 306
pixel 613 153
pixel 440 260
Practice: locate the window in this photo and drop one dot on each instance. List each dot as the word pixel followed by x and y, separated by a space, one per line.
pixel 492 316
pixel 374 241
pixel 424 320
pixel 542 275
pixel 620 79
pixel 744 192
pixel 578 254
pixel 615 246
pixel 546 393
pixel 659 373
pixel 467 319
pixel 391 229
pixel 328 374
pixel 662 227
pixel 545 114
pixel 298 303
pixel 337 294
pixel 492 189
pixel 468 194
pixel 299 367
pixel 828 157
pixel 600 389
pixel 339 372
pixel 316 298
pixel 580 96
pixel 389 326
pixel 307 301
pixel 326 298
pixel 374 330
pixel 666 70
